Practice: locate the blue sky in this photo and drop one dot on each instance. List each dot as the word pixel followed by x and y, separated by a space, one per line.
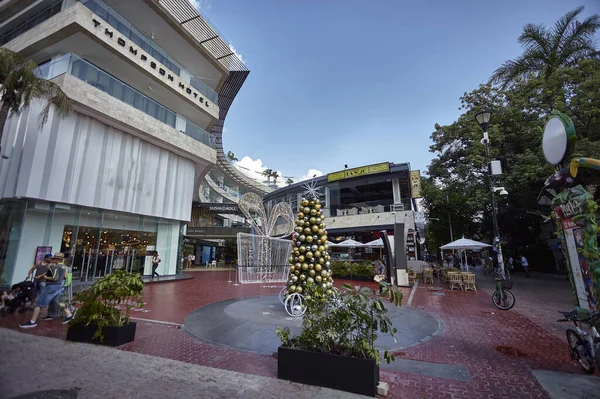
pixel 337 82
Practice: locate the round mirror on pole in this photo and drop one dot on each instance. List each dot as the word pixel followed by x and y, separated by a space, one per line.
pixel 559 138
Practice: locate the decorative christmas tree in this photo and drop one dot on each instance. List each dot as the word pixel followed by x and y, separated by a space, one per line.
pixel 309 261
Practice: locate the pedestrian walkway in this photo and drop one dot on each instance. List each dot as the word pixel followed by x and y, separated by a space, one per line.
pixel 539 298
pixel 480 351
pixel 89 371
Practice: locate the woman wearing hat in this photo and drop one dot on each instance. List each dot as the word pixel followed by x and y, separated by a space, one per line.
pixel 55 282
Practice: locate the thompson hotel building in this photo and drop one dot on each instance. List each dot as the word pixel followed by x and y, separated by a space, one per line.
pixel 151 83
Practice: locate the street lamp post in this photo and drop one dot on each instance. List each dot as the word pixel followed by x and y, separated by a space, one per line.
pixel 449 219
pixel 483 118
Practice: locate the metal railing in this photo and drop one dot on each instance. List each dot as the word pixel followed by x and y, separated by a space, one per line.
pixel 31 22
pixel 94 76
pixel 118 22
pixel 125 28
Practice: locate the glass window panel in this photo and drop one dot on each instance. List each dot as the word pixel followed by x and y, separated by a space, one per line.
pixel 102 13
pixel 116 89
pixel 138 101
pixel 128 95
pixel 136 39
pixel 112 20
pixel 124 30
pixel 79 69
pixel 170 118
pixel 152 109
pixel 103 82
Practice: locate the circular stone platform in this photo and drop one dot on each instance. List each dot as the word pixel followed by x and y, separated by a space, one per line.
pixel 250 323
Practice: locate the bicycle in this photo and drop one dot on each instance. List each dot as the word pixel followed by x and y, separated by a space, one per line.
pixel 503 298
pixel 584 339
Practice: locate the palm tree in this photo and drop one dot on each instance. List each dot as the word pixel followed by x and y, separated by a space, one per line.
pixel 546 50
pixel 268 173
pixel 289 181
pixel 20 87
pixel 275 176
pixel 231 156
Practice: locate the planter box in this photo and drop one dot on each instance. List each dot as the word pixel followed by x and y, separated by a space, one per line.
pixel 350 374
pixel 113 336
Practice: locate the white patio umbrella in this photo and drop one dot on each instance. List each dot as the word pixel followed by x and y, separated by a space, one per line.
pixel 378 243
pixel 464 244
pixel 350 244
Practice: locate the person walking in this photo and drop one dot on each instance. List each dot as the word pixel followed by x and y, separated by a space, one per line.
pixel 525 265
pixel 381 273
pixel 155 262
pixel 55 282
pixel 40 268
pixel 511 263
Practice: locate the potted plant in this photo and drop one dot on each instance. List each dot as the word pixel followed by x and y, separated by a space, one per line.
pixel 336 347
pixel 103 313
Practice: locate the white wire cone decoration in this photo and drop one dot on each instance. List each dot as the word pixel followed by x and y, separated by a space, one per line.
pixel 262 256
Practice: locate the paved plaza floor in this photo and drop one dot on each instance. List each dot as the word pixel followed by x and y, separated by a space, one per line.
pixel 477 350
pixel 250 324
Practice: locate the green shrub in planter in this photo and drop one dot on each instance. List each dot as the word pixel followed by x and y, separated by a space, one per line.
pixel 341 269
pixel 363 269
pixel 346 323
pixel 108 301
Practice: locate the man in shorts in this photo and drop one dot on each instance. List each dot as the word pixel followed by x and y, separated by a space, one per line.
pixel 38 278
pixel 51 292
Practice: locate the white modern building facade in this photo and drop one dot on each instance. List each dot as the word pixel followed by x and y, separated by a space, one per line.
pixel 216 217
pixel 151 83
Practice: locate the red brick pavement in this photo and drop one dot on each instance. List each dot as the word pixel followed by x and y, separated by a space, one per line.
pixel 174 301
pixel 498 348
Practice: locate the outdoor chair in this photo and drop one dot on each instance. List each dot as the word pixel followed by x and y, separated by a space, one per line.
pixel 412 275
pixel 428 276
pixel 469 281
pixel 455 280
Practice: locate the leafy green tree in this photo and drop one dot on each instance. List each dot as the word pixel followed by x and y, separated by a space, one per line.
pixel 268 173
pixel 275 176
pixel 20 86
pixel 547 50
pixel 520 111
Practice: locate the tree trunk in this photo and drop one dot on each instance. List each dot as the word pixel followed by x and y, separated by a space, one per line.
pixel 3 117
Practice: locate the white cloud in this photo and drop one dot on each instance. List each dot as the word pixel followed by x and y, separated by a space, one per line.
pixel 254 168
pixel 236 53
pixel 309 175
pixel 200 4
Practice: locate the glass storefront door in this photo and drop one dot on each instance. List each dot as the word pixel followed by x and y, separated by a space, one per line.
pixel 96 252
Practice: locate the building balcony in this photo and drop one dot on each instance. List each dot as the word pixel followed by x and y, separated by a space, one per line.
pixel 94 76
pixel 124 27
pixel 78 30
pixel 222 189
